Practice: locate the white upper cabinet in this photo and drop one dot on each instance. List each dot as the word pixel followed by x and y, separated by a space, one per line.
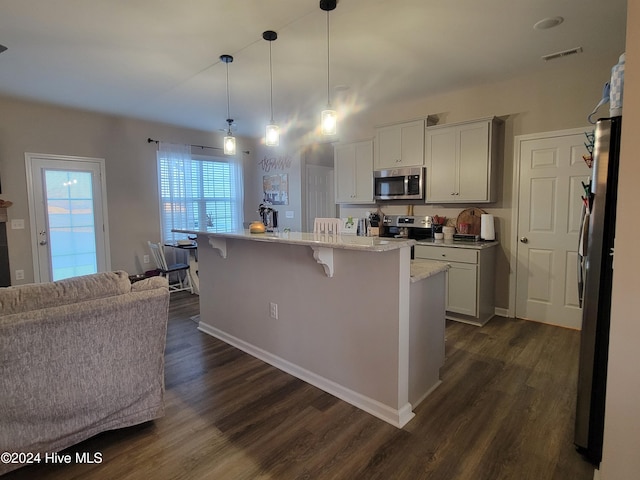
pixel 400 145
pixel 460 160
pixel 353 165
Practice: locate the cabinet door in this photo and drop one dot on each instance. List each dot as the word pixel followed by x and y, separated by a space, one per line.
pixel 353 165
pixel 441 164
pixel 473 163
pixel 400 145
pixel 412 143
pixel 345 172
pixel 462 292
pixel 364 172
pixel 388 147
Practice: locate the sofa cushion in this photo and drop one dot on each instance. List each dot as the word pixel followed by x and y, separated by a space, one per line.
pixel 36 296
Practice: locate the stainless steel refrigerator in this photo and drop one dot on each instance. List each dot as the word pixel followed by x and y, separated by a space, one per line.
pixel 596 272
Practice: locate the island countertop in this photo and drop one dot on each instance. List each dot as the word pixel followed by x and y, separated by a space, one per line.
pixel 346 242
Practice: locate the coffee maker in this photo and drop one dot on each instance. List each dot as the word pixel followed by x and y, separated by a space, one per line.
pixel 269 217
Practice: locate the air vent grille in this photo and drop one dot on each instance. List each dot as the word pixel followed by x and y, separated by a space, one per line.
pixel 564 53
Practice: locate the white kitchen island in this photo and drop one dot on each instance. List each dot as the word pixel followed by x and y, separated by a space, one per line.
pixel 343 313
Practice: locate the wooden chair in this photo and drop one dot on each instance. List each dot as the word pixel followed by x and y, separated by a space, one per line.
pixel 326 225
pixel 157 250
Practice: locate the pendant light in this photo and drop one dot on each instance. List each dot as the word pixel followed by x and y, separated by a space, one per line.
pixel 229 140
pixel 272 132
pixel 329 118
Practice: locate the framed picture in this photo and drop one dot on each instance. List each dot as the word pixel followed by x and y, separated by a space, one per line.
pixel 276 188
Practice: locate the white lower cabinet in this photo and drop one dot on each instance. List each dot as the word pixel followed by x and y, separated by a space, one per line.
pixel 470 282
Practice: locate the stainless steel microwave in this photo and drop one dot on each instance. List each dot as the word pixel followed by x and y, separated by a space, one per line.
pixel 399 184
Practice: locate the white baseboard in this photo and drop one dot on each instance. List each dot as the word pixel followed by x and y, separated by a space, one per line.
pixel 396 417
pixel 502 312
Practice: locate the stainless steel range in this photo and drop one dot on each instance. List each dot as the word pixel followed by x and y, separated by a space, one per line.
pixel 406 226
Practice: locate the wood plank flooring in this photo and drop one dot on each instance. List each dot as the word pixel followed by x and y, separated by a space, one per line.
pixel 504 411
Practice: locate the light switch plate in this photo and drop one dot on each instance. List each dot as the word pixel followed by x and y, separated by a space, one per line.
pixel 17 224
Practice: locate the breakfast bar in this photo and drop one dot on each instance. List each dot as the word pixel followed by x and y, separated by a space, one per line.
pixel 354 316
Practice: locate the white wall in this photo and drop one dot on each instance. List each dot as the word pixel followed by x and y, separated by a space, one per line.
pixel 621 456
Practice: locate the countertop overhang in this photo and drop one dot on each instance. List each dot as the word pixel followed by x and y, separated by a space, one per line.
pixel 346 242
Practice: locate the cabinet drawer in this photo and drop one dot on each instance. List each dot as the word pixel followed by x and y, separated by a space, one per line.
pixel 449 254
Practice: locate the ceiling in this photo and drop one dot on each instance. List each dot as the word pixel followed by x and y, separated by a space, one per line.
pixel 159 59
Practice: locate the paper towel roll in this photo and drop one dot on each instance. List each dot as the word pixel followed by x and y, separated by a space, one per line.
pixel 487 227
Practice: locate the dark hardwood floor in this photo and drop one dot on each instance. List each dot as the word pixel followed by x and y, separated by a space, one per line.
pixel 505 410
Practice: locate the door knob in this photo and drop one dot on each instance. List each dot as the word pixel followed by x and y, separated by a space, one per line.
pixel 524 239
pixel 43 242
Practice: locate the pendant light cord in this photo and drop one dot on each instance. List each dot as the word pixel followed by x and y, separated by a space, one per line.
pixel 328 64
pixel 271 80
pixel 228 100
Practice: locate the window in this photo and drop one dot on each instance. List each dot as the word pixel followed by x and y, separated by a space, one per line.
pixel 198 192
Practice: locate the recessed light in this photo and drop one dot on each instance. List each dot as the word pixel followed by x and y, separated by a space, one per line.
pixel 547 23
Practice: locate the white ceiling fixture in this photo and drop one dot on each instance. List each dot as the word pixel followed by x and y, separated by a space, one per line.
pixel 329 118
pixel 272 131
pixel 229 142
pixel 547 23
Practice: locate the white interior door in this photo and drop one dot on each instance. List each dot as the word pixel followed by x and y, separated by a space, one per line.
pixel 549 212
pixel 320 193
pixel 67 206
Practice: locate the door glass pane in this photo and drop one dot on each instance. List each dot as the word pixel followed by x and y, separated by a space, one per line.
pixel 70 215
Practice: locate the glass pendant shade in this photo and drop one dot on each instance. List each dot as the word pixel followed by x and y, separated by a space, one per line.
pixel 272 135
pixel 329 122
pixel 229 144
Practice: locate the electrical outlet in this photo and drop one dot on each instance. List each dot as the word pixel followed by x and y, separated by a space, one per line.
pixel 273 310
pixel 20 275
pixel 17 224
pixel 145 259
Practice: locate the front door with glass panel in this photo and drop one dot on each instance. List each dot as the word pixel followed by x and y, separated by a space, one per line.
pixel 68 218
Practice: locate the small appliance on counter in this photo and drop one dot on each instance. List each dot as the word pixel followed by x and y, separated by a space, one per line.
pixel 269 217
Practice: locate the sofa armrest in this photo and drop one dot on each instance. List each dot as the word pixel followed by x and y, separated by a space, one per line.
pixel 150 283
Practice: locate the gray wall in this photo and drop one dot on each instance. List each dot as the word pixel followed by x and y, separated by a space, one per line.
pixel 130 162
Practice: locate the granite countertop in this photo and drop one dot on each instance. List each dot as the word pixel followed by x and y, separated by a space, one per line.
pixel 347 242
pixel 458 243
pixel 421 269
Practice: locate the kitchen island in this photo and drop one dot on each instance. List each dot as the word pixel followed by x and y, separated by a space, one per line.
pixel 343 313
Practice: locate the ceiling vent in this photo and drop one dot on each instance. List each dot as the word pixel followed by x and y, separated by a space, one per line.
pixel 565 53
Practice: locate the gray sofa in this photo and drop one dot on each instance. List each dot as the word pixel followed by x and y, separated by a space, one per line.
pixel 78 357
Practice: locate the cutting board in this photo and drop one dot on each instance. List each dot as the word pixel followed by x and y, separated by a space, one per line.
pixel 472 217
